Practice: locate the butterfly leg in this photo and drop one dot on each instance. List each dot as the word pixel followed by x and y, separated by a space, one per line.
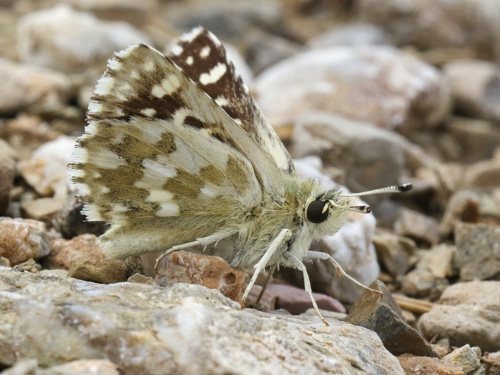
pixel 204 241
pixel 284 235
pixel 314 255
pixel 293 261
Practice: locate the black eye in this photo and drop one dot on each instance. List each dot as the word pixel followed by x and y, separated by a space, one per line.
pixel 315 212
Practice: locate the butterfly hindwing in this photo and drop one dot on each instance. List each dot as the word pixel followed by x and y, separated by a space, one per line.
pixel 204 59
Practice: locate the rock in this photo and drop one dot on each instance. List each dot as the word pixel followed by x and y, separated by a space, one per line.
pixel 369 156
pixel 421 228
pixel 70 221
pixel 184 329
pixel 43 38
pixel 351 246
pixel 28 266
pixel 463 206
pixel 419 283
pixel 297 301
pixel 210 271
pixel 30 86
pixel 467 313
pixel 438 260
pixel 478 251
pixel 449 27
pixel 7 172
pixel 64 252
pixel 478 139
pixel 267 301
pixel 484 174
pixel 82 367
pixel 46 170
pixel 27 133
pixel 466 357
pixel 492 363
pixel 225 19
pixel 21 239
pixel 141 279
pixel 351 34
pixel 103 271
pixel 395 252
pixel 380 85
pixel 475 87
pixel 413 365
pixel 264 50
pixel 383 315
pixel 43 209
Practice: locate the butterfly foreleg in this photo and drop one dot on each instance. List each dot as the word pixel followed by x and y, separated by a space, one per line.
pixel 314 255
pixel 204 241
pixel 283 236
pixel 292 261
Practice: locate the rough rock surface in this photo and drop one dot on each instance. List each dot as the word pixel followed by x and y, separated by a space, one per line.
pixel 21 240
pixel 210 271
pixel 380 85
pixel 467 313
pixel 383 315
pixel 184 329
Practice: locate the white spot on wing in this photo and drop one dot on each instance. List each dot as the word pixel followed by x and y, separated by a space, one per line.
pixel 168 86
pixel 222 101
pixel 208 191
pixel 104 158
pixel 168 209
pixel 214 75
pixel 95 107
pixel 159 196
pixel 177 50
pixel 124 53
pixel 214 39
pixel 190 36
pixel 205 51
pixel 149 65
pixel 181 114
pixel 149 112
pixel 104 85
pixel 114 64
pixel 189 60
pixel 92 212
pixel 156 173
pixel 134 74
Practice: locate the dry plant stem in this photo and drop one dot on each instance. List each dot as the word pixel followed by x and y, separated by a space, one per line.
pixel 412 304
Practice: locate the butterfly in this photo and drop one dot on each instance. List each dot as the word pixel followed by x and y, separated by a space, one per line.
pixel 177 155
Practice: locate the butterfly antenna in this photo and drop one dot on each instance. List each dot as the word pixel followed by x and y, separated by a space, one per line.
pixel 367 209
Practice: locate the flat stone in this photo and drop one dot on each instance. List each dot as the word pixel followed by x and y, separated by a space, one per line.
pixel 210 271
pixel 395 252
pixel 42 209
pixel 438 260
pixel 462 206
pixel 63 252
pixel 478 251
pixel 43 36
pixel 21 240
pixel 414 365
pixel 383 315
pixel 102 271
pixel 467 313
pixel 185 329
pixel 421 228
pixel 376 84
pixel 469 359
pixel 422 283
pixel 81 367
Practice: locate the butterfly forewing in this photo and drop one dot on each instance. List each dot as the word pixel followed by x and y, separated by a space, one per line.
pixel 157 145
pixel 204 59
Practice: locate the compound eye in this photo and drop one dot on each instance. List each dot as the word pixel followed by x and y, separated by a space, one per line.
pixel 315 212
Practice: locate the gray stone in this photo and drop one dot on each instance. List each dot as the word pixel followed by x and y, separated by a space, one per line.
pixel 21 240
pixel 483 174
pixel 421 228
pixel 475 87
pixel 421 283
pixel 478 251
pixel 184 329
pixel 30 86
pixel 82 367
pixel 469 359
pixel 380 85
pixel 467 313
pixel 369 156
pixel 45 171
pixel 7 173
pixel 462 206
pixel 383 315
pixel 396 253
pixel 439 24
pixel 66 40
pixel 351 34
pixel 438 260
